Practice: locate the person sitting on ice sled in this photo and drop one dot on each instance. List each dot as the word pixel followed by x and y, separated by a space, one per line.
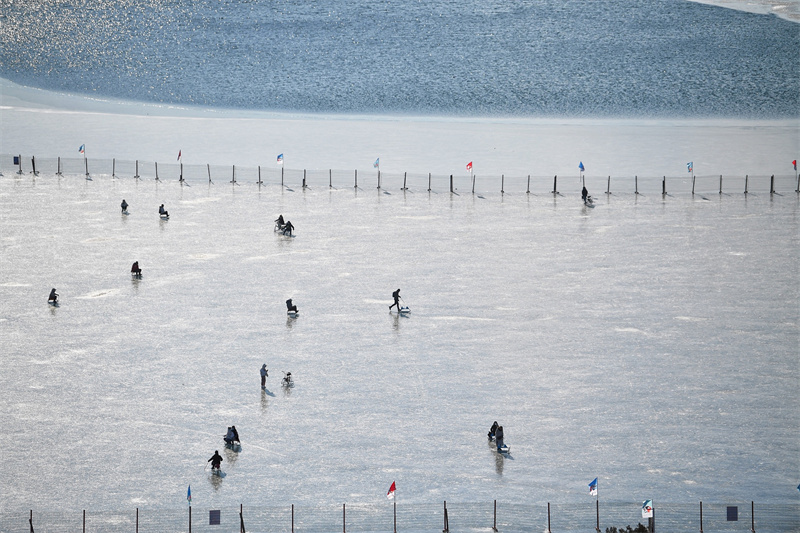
pixel 135 270
pixel 493 430
pixel 396 296
pixel 216 460
pixel 163 212
pixel 279 222
pixel 287 228
pixel 53 297
pixel 290 307
pixel 499 437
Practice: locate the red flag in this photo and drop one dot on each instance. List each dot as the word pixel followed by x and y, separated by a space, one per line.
pixel 179 155
pixel 390 494
pixel 795 164
pixel 469 166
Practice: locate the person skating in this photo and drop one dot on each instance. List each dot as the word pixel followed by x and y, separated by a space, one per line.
pixel 287 228
pixel 264 375
pixel 493 430
pixel 279 222
pixel 124 206
pixel 216 460
pixel 396 296
pixel 584 194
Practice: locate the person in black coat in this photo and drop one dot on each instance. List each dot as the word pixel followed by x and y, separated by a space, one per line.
pixel 499 437
pixel 290 306
pixel 216 460
pixel 396 296
pixel 493 430
pixel 53 296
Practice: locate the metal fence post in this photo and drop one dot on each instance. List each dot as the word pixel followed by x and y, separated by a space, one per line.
pixel 555 184
pixel 664 186
pixel 772 184
pixel 446 527
pixel 548 517
pixel 608 188
pixel 752 517
pixel 720 183
pixel 636 182
pixel 494 522
pixel 701 517
pixel 451 183
pixel 344 518
pixel 529 185
pixel 745 183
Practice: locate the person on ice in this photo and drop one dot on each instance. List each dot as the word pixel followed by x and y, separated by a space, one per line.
pixel 53 297
pixel 163 212
pixel 493 430
pixel 135 270
pixel 499 437
pixel 279 222
pixel 584 194
pixel 232 436
pixel 290 307
pixel 287 379
pixel 124 205
pixel 264 374
pixel 396 296
pixel 216 460
pixel 287 228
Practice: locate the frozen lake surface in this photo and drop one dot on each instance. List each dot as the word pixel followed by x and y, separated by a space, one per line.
pixel 651 342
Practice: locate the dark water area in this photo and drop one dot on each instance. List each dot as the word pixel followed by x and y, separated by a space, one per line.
pixel 617 58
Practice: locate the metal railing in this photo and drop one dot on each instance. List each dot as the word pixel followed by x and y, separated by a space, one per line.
pixel 291 179
pixel 445 516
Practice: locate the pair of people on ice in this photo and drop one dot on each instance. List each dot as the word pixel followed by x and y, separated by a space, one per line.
pixel 496 433
pixel 284 227
pixel 232 436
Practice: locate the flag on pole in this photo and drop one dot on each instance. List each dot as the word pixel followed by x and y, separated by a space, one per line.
pixel 189 495
pixel 469 166
pixel 690 166
pixel 82 149
pixel 280 159
pixel 377 163
pixel 580 166
pixel 390 494
pixel 647 509
pixel 593 487
pixel 179 155
pixel 795 164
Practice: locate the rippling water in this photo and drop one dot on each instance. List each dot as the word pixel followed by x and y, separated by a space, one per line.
pixel 535 58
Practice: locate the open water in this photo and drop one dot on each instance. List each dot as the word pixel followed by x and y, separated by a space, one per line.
pixel 630 58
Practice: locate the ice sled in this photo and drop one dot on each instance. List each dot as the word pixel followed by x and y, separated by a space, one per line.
pixel 503 449
pixel 292 314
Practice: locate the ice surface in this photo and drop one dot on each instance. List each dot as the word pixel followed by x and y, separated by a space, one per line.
pixel 651 341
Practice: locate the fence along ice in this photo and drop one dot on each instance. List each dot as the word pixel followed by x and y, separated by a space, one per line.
pixel 480 516
pixel 463 184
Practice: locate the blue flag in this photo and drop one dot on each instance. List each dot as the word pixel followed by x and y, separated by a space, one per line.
pixel 690 166
pixel 593 487
pixel 82 149
pixel 280 159
pixel 377 163
pixel 189 495
pixel 580 166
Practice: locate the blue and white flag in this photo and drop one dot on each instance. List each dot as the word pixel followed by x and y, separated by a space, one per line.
pixel 580 166
pixel 593 487
pixel 82 149
pixel 377 163
pixel 189 495
pixel 647 509
pixel 280 159
pixel 690 166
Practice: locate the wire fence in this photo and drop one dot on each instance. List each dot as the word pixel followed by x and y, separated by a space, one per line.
pixel 292 179
pixel 445 516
